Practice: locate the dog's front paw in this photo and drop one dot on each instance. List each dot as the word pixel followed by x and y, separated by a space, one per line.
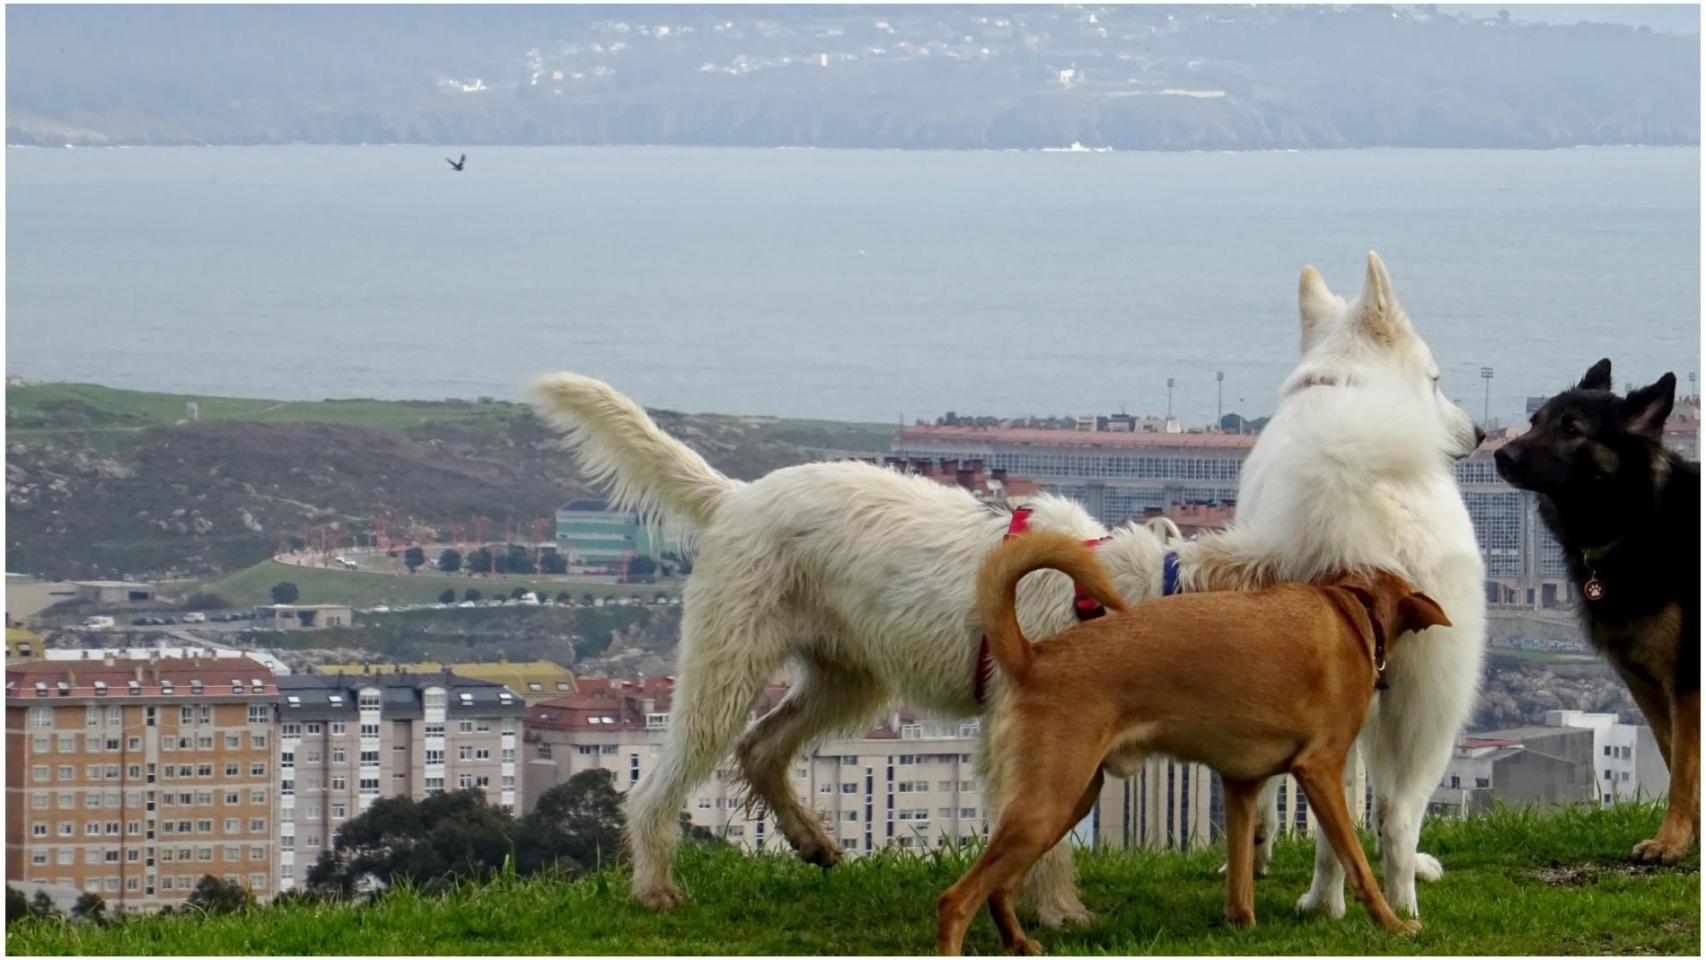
pixel 1659 850
pixel 1326 904
pixel 666 897
pixel 1059 915
pixel 1428 867
pixel 1408 928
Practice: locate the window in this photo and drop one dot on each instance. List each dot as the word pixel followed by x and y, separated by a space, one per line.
pixel 433 730
pixel 369 757
pixel 849 788
pixel 233 826
pixel 337 728
pixel 369 730
pixel 259 713
pixel 368 700
pixel 38 772
pixel 338 811
pixel 258 741
pixel 435 756
pixel 257 826
pixel 41 718
pixel 233 741
pixel 257 769
pixel 340 783
pixel 287 759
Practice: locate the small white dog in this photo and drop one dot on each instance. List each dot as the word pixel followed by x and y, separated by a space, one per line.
pixel 863 579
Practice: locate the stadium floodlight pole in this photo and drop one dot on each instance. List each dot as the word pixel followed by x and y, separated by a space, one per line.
pixel 1487 396
pixel 1219 385
pixel 1169 398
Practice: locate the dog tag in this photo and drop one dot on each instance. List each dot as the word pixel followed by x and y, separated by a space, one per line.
pixel 1593 589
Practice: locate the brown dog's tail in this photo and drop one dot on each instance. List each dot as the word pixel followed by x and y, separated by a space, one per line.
pixel 998 582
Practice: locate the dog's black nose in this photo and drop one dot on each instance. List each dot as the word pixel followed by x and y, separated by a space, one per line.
pixel 1480 436
pixel 1505 458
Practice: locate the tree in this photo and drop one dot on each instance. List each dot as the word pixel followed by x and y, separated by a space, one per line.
pixel 586 599
pixel 17 905
pixel 554 563
pixel 41 905
pixel 480 561
pixel 430 844
pixel 414 558
pixel 641 566
pixel 517 593
pixel 215 896
pixel 563 598
pixel 471 595
pixel 450 561
pixel 519 559
pixel 448 596
pixel 575 827
pixel 91 907
pixel 285 592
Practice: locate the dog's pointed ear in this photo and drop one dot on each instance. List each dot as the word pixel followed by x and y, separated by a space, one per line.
pixel 1316 305
pixel 1377 307
pixel 1418 611
pixel 1598 377
pixel 1645 410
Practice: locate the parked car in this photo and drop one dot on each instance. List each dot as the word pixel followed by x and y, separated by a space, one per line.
pixel 140 621
pixel 195 618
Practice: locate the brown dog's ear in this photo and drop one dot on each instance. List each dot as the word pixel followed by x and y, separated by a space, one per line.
pixel 1418 611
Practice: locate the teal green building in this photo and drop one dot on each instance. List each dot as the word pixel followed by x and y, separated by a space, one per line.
pixel 591 533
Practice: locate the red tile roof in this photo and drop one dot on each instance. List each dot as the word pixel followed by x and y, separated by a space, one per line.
pixel 215 675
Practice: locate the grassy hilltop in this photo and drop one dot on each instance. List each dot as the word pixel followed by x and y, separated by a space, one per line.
pixel 1516 884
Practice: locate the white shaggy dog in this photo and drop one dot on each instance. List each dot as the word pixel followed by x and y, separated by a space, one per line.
pixel 863 579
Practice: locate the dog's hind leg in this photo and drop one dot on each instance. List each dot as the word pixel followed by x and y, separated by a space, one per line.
pixel 727 652
pixel 1240 800
pixel 828 698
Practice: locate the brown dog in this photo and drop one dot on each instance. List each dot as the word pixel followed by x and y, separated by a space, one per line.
pixel 1251 684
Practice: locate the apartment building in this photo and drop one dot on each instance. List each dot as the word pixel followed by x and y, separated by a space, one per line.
pixel 347 740
pixel 1530 766
pixel 133 779
pixel 1169 804
pixel 907 781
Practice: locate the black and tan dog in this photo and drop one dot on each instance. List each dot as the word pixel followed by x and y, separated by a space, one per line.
pixel 1627 512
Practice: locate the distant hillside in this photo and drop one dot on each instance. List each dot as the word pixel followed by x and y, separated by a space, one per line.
pixel 104 482
pixel 1129 77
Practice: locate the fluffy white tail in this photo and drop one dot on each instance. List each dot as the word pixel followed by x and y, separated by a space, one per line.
pixel 620 448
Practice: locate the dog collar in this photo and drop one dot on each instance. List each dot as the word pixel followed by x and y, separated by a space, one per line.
pixel 1594 588
pixel 1322 380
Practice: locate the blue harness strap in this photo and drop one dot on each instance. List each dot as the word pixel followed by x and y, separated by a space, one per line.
pixel 1170 574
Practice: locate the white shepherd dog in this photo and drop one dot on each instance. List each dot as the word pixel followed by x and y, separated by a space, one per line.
pixel 863 581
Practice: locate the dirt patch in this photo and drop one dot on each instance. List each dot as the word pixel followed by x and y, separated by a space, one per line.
pixel 1584 874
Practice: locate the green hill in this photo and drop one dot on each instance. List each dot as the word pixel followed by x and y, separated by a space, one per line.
pixel 103 483
pixel 1516 884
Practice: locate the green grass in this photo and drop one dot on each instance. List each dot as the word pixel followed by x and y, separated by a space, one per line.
pixel 38 406
pixel 1516 884
pixel 252 586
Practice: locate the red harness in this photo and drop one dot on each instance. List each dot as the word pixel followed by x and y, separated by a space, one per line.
pixel 1084 607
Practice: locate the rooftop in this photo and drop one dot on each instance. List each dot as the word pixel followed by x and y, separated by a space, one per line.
pixel 226 676
pixel 517 675
pixel 1026 436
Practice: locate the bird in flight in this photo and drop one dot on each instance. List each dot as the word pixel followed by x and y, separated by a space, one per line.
pixel 456 164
